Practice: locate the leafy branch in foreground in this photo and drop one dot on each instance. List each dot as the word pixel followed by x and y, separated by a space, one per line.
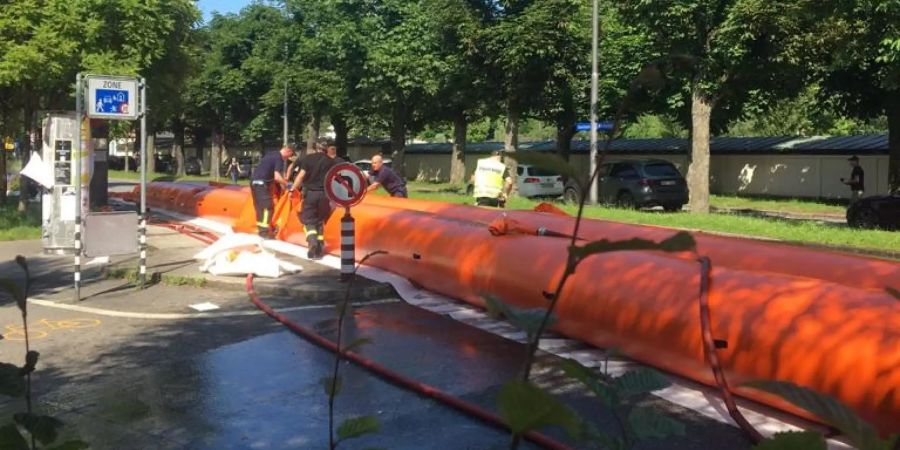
pixel 639 425
pixel 353 427
pixel 26 429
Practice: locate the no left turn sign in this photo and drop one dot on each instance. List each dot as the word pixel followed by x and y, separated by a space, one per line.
pixel 345 185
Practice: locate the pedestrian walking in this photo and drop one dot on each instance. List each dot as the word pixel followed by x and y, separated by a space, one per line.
pixel 234 170
pixel 857 181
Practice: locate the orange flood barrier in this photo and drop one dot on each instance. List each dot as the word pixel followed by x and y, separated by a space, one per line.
pixel 804 320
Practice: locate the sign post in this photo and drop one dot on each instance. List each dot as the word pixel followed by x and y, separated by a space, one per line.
pixel 109 98
pixel 346 186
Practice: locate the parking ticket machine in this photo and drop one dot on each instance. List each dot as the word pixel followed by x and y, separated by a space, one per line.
pixel 59 151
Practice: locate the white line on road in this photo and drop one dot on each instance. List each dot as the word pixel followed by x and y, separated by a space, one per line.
pixel 179 316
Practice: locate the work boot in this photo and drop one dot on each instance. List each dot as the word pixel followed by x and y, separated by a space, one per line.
pixel 312 246
pixel 320 249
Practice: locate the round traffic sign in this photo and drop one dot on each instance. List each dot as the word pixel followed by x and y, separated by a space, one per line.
pixel 345 184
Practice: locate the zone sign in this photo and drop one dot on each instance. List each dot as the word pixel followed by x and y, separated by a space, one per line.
pixel 112 98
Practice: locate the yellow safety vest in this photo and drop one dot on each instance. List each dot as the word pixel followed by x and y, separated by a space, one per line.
pixel 489 178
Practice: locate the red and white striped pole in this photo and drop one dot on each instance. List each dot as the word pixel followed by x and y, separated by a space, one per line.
pixel 348 245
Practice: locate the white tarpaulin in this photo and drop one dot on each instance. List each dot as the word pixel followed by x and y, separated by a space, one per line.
pixel 38 171
pixel 242 254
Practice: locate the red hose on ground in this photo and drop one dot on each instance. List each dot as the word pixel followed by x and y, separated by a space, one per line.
pixel 398 379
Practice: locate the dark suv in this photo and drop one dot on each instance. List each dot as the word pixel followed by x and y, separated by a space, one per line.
pixel 637 184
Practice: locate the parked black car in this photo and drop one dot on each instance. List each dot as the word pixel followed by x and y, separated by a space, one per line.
pixel 637 184
pixel 192 166
pixel 165 164
pixel 878 211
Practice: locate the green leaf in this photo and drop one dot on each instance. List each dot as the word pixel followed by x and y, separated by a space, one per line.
pixel 71 445
pixel 894 292
pixel 357 426
pixel 548 161
pixel 791 440
pixel 861 434
pixel 328 382
pixel 44 428
pixel 357 344
pixel 527 320
pixel 12 383
pixel 526 407
pixel 11 439
pixel 31 360
pixel 590 379
pixel 640 381
pixel 647 424
pixel 15 291
pixel 606 441
pixel 679 242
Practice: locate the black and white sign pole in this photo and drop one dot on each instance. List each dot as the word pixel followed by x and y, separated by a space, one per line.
pixel 346 185
pixel 143 216
pixel 348 245
pixel 77 156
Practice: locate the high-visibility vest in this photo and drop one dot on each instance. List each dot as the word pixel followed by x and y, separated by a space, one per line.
pixel 489 178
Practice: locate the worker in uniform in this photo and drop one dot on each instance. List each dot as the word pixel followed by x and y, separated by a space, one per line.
pixel 492 181
pixel 384 176
pixel 315 208
pixel 266 173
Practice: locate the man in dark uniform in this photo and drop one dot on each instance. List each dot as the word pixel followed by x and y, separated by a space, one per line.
pixel 268 171
pixel 315 208
pixel 384 176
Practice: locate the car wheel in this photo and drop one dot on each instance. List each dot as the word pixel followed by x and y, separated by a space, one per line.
pixel 570 196
pixel 625 200
pixel 863 217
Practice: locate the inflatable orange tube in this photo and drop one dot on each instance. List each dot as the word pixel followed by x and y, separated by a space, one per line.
pixel 837 338
pixel 738 253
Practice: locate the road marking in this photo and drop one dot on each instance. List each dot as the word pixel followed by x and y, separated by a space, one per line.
pixel 44 327
pixel 198 315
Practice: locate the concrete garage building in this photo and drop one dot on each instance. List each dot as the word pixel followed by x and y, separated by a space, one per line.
pixel 809 167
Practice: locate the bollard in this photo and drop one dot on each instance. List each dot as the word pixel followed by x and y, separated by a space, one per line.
pixel 348 245
pixel 142 240
pixel 77 258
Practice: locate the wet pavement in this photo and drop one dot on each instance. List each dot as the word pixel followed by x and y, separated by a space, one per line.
pixel 235 379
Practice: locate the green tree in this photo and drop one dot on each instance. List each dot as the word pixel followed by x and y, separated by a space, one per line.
pixel 854 51
pixel 401 68
pixel 734 46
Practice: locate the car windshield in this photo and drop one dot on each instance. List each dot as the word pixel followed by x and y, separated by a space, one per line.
pixel 661 170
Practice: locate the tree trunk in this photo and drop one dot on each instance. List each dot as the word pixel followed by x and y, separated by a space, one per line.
pixel 3 184
pixel 458 156
pixel 215 153
pixel 151 151
pixel 564 135
pixel 178 146
pixel 340 135
pixel 511 142
pixel 398 139
pixel 893 114
pixel 312 131
pixel 698 171
pixel 24 182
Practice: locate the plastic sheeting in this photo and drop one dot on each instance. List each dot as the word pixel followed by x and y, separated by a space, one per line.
pixel 242 254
